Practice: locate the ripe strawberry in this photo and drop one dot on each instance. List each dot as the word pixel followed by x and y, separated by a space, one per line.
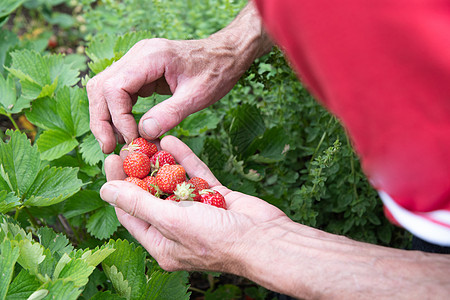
pixel 169 176
pixel 173 198
pixel 199 183
pixel 136 164
pixel 139 182
pixel 152 186
pixel 213 198
pixel 186 192
pixel 161 158
pixel 143 146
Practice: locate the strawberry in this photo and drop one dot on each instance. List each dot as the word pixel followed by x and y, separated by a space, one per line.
pixel 137 164
pixel 213 198
pixel 173 198
pixel 139 182
pixel 199 183
pixel 169 176
pixel 186 192
pixel 161 158
pixel 152 186
pixel 143 146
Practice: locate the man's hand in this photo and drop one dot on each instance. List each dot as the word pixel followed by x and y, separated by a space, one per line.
pixel 196 72
pixel 188 235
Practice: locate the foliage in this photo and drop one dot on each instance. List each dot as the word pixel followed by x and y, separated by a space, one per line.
pixel 268 137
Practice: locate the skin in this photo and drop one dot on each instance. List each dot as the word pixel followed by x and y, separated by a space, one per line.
pixel 252 238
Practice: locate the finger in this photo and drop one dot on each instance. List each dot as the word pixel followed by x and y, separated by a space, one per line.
pixel 143 205
pixel 100 119
pixel 166 115
pixel 185 157
pixel 114 168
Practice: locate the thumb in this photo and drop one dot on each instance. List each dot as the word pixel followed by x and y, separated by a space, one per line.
pixel 169 113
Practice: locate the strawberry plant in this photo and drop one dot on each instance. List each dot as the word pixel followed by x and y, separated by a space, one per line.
pixel 268 137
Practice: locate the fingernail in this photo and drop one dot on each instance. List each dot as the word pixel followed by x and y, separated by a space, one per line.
pixel 109 193
pixel 151 128
pixel 100 143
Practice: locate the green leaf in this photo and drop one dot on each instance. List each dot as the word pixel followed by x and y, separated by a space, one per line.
pixel 246 126
pixel 53 185
pixel 73 109
pixel 8 257
pixel 126 268
pixel 8 201
pixel 61 290
pixel 22 286
pixel 31 255
pixel 44 114
pixel 55 143
pixel 224 292
pixel 8 40
pixel 103 223
pixel 90 150
pixel 163 285
pixel 82 202
pixel 8 6
pixel 102 47
pixel 126 41
pixel 20 161
pixel 198 123
pixel 77 271
pixel 272 146
pixel 57 243
pixel 106 295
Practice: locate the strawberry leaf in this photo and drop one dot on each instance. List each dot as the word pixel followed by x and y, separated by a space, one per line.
pixel 126 268
pixel 82 202
pixel 8 41
pixel 163 285
pixel 8 201
pixel 55 143
pixel 90 150
pixel 22 286
pixel 103 223
pixel 8 257
pixel 57 243
pixel 60 290
pixel 8 101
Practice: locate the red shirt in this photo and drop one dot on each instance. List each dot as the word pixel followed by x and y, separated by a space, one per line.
pixel 383 68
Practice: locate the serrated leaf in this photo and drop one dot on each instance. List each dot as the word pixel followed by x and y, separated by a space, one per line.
pixel 128 40
pixel 76 271
pixel 100 65
pixel 90 150
pixel 101 47
pixel 8 257
pixel 20 161
pixel 61 290
pixel 95 256
pixel 73 109
pixel 54 143
pixel 103 223
pixel 44 114
pixel 271 146
pixel 82 202
pixel 164 285
pixel 121 285
pixel 22 286
pixel 8 201
pixel 57 243
pixel 129 260
pixel 31 255
pixel 246 126
pixel 198 123
pixel 53 185
pixel 107 295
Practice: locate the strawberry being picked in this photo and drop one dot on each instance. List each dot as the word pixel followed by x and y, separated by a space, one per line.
pixel 143 146
pixel 213 198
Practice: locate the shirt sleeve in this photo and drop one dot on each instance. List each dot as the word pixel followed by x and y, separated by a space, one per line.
pixel 383 68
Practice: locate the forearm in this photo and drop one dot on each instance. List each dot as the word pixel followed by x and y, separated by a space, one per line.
pixel 245 37
pixel 307 263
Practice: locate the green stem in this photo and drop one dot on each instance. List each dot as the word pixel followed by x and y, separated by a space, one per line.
pixel 12 121
pixel 197 290
pixel 16 215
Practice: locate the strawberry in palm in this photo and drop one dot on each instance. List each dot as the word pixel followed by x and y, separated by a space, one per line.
pixel 169 176
pixel 213 198
pixel 137 164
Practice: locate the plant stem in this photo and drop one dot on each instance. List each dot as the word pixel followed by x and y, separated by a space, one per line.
pixel 197 290
pixel 12 121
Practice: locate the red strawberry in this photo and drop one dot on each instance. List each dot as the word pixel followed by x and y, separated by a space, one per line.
pixel 143 146
pixel 186 192
pixel 213 198
pixel 139 182
pixel 169 176
pixel 161 158
pixel 137 164
pixel 150 181
pixel 173 198
pixel 199 183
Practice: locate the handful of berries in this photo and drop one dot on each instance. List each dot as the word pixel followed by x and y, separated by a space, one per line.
pixel 158 173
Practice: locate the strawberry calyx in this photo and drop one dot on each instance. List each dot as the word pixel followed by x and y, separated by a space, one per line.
pixel 185 192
